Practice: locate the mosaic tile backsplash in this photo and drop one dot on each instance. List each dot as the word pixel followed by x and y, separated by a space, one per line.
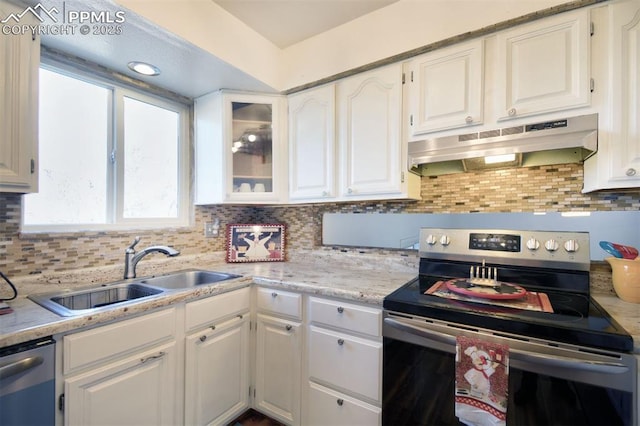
pixel 532 189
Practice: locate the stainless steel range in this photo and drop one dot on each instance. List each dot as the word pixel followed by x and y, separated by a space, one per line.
pixel 570 363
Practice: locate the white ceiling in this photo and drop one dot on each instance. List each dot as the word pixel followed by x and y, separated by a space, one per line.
pixel 286 22
pixel 187 69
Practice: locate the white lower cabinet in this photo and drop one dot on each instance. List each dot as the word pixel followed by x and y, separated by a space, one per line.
pixel 278 354
pixel 188 364
pixel 344 364
pixel 217 369
pixel 124 373
pixel 192 363
pixel 139 390
pixel 329 407
pixel 278 377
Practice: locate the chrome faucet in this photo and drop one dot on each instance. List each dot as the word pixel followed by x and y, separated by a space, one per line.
pixel 131 258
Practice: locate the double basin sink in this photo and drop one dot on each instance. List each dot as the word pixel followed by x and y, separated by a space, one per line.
pixel 122 293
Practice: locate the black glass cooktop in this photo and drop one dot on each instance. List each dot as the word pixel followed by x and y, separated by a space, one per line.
pixel 576 317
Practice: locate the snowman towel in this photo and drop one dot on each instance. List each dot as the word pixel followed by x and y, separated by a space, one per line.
pixel 482 380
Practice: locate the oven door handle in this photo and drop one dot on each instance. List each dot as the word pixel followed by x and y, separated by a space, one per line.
pixel 516 355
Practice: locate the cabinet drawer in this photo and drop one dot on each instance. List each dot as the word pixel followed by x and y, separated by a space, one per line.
pixel 328 407
pixel 346 362
pixel 100 344
pixel 202 312
pixel 279 302
pixel 359 319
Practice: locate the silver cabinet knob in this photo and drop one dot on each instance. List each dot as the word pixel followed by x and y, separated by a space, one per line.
pixel 340 401
pixel 551 245
pixel 340 309
pixel 325 193
pixel 512 112
pixel 274 294
pixel 288 327
pixel 340 342
pixel 349 191
pixel 631 172
pixel 203 338
pixel 571 246
pixel 469 119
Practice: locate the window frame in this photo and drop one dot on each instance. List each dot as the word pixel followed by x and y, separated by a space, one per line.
pixel 115 157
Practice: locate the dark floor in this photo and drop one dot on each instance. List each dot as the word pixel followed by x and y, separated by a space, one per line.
pixel 253 418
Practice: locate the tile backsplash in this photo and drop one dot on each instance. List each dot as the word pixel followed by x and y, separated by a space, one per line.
pixel 531 189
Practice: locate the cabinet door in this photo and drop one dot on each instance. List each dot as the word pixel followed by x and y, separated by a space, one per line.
pixel 241 151
pixel 139 390
pixel 312 153
pixel 217 372
pixel 369 117
pixel 544 66
pixel 278 373
pixel 19 105
pixel 625 147
pixel 444 89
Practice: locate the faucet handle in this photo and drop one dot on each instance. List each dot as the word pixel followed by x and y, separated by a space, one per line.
pixel 131 249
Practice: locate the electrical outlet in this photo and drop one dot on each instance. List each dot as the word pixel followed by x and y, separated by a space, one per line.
pixel 211 229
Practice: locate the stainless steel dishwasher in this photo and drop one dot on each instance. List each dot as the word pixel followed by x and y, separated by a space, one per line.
pixel 27 383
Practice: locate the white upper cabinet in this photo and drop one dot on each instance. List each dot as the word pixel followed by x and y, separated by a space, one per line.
pixel 372 152
pixel 345 140
pixel 240 149
pixel 19 106
pixel 617 163
pixel 444 89
pixel 543 66
pixel 312 144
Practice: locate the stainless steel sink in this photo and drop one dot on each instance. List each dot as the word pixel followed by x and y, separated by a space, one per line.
pixel 107 296
pixel 187 279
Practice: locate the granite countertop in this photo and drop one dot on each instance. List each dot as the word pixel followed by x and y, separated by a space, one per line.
pixel 366 279
pixel 320 276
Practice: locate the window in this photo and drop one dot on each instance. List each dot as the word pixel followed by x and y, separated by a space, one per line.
pixel 110 157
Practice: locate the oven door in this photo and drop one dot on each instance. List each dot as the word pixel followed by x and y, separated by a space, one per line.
pixel 549 383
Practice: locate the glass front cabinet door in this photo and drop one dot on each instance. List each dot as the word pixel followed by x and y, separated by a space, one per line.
pixel 239 149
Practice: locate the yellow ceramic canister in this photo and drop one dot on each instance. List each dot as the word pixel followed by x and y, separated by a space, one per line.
pixel 626 278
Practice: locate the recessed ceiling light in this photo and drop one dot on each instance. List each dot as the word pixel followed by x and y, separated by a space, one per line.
pixel 143 68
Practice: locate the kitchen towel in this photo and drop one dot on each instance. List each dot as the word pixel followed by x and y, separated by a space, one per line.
pixel 482 382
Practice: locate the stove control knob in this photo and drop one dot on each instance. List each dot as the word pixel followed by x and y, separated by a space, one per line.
pixel 445 240
pixel 533 244
pixel 571 246
pixel 551 245
pixel 431 239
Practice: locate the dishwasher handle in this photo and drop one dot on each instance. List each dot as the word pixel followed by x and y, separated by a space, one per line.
pixel 20 366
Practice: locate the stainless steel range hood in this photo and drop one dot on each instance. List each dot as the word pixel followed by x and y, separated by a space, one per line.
pixel 569 140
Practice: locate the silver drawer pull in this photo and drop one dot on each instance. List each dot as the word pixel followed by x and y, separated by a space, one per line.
pixel 213 327
pixel 340 402
pixel 203 338
pixel 149 358
pixel 341 342
pixel 340 309
pixel 288 327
